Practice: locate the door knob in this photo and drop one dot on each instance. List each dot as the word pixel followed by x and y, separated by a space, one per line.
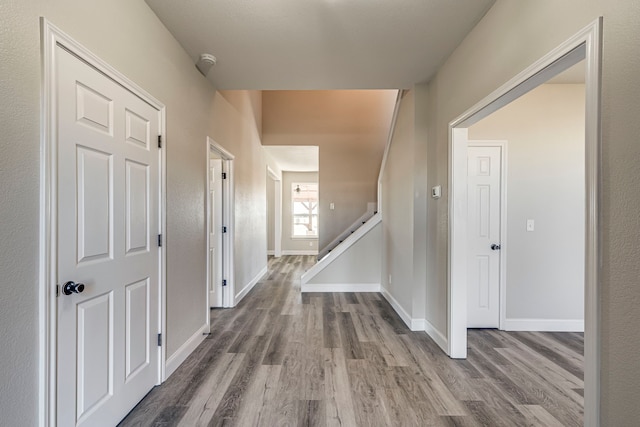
pixel 495 247
pixel 72 288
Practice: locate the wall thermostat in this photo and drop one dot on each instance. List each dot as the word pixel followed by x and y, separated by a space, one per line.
pixel 436 192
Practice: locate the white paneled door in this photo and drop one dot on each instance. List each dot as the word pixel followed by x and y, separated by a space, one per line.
pixel 483 229
pixel 215 233
pixel 108 256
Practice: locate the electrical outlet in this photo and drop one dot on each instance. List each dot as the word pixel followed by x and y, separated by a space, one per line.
pixel 310 243
pixel 389 279
pixel 530 225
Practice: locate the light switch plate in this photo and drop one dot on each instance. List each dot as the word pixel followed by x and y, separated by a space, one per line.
pixel 530 225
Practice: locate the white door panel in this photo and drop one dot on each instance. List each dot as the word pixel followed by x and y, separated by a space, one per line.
pixel 215 233
pixel 108 216
pixel 484 204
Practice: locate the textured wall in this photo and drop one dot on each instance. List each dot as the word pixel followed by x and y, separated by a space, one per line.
pixel 19 158
pixel 397 208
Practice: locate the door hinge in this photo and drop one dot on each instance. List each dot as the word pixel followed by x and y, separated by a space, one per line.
pixel 159 340
pixel 159 141
pixel 224 228
pixel 57 290
pixel 224 282
pixel 224 175
pixel 159 240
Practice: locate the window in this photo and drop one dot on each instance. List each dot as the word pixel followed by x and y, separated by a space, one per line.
pixel 304 202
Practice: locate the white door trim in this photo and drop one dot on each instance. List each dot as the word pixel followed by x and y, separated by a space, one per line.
pixel 228 220
pixel 277 213
pixel 51 37
pixel 208 215
pixel 503 221
pixel 587 45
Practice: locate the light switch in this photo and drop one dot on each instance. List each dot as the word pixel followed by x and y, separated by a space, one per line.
pixel 436 192
pixel 332 206
pixel 530 225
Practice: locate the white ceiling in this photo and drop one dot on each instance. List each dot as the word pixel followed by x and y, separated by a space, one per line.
pixel 320 44
pixel 294 158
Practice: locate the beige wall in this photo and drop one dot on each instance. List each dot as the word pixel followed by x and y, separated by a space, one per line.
pixel 397 208
pixel 545 179
pixel 350 128
pixel 289 244
pixel 404 203
pixel 509 38
pixel 127 35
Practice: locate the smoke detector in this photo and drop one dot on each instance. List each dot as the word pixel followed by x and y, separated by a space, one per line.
pixel 205 63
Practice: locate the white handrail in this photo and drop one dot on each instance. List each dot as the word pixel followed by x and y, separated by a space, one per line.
pixel 371 210
pixel 346 244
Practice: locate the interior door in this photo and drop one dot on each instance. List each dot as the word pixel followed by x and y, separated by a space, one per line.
pixel 215 233
pixel 108 256
pixel 483 222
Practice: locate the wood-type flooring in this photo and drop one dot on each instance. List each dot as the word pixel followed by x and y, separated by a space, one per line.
pixel 282 358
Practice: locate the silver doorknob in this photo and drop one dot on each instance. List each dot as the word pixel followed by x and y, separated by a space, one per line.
pixel 72 288
pixel 495 247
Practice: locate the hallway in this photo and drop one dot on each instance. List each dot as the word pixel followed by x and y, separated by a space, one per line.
pixel 282 358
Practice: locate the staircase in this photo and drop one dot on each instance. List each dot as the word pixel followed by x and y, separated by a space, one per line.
pixel 371 211
pixel 351 266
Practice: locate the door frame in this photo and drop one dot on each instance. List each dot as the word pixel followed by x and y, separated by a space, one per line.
pixel 51 37
pixel 585 45
pixel 502 253
pixel 208 214
pixel 277 212
pixel 228 220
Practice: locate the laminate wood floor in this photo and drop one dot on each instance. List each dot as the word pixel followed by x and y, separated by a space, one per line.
pixel 282 358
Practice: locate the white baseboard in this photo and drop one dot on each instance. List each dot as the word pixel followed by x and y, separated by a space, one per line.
pixel 436 336
pixel 271 252
pixel 339 287
pixel 307 252
pixel 404 315
pixel 544 325
pixel 181 354
pixel 417 324
pixel 243 293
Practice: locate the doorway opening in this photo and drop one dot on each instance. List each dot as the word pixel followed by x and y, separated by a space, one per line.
pixel 583 46
pixel 219 227
pixel 274 214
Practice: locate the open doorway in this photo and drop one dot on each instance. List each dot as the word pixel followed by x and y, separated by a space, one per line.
pixel 583 46
pixel 526 197
pixel 219 227
pixel 290 220
pixel 274 214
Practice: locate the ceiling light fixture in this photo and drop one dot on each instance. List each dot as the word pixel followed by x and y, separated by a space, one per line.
pixel 205 63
